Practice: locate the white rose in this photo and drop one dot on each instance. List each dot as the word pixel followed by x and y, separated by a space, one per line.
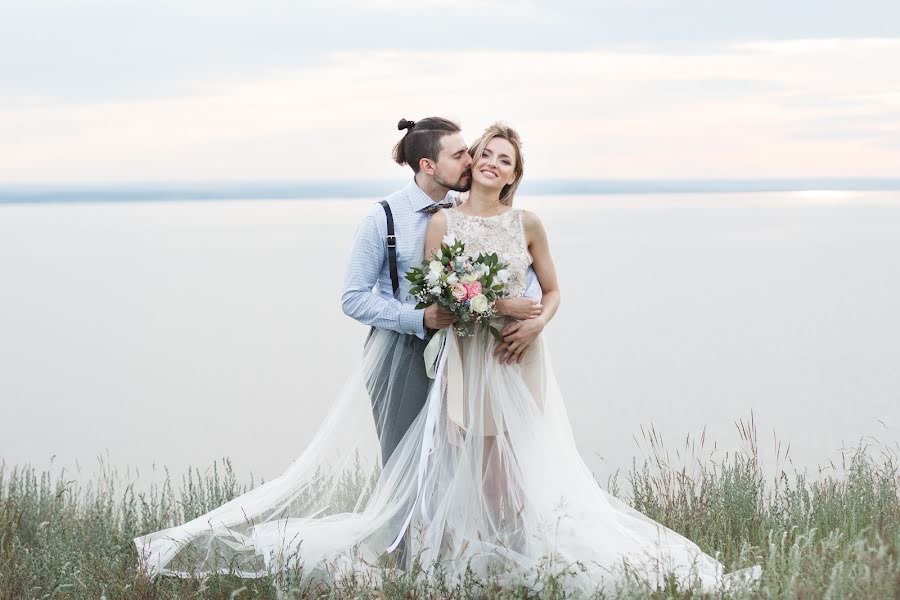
pixel 435 290
pixel 503 276
pixel 453 279
pixel 467 279
pixel 436 266
pixel 433 277
pixel 479 303
pixel 449 240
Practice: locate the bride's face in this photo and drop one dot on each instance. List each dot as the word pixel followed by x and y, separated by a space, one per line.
pixel 495 167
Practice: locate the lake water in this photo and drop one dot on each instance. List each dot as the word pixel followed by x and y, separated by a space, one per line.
pixel 174 333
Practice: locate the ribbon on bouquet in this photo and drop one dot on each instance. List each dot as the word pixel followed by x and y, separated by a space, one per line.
pixel 433 352
pixel 435 361
pixel 444 343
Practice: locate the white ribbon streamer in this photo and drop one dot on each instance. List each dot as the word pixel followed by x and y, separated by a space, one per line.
pixel 433 352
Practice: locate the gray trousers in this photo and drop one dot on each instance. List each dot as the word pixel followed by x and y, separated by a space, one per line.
pixel 398 388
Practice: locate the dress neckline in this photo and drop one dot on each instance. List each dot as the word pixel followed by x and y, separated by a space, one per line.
pixel 459 212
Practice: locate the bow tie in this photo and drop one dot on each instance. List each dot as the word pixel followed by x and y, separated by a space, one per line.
pixel 436 207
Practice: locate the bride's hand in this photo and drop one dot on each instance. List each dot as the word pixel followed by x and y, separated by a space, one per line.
pixel 520 308
pixel 517 337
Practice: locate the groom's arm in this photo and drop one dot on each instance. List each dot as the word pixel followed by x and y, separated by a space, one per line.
pixel 367 260
pixel 533 286
pixel 528 305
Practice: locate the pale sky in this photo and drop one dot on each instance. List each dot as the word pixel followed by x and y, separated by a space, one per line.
pixel 200 90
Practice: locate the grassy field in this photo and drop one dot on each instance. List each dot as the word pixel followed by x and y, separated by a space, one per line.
pixel 832 535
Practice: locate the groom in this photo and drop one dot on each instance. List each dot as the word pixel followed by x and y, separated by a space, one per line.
pixel 389 241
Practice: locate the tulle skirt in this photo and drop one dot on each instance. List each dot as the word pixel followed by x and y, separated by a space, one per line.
pixel 487 478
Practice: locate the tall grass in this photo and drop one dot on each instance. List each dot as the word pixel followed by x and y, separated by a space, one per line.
pixel 834 535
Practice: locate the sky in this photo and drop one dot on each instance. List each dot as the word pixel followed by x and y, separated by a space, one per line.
pixel 133 90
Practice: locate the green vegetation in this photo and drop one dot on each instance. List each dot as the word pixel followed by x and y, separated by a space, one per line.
pixel 835 535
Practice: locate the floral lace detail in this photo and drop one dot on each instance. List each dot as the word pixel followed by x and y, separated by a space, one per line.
pixel 503 234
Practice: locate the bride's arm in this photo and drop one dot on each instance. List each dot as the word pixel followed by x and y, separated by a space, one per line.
pixel 517 337
pixel 435 316
pixel 435 232
pixel 542 263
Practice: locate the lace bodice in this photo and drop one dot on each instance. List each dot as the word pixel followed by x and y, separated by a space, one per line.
pixel 503 234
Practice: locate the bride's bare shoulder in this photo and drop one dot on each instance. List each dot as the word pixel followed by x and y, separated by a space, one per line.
pixel 438 221
pixel 531 221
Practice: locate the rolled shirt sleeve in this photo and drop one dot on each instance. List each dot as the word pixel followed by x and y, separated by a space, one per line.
pixel 412 320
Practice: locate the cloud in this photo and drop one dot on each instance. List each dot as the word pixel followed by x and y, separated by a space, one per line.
pixel 747 110
pixel 90 50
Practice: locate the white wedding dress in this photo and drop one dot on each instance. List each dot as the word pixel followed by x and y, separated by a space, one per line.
pixel 488 477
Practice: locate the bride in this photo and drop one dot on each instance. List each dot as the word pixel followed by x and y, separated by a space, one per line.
pixel 486 478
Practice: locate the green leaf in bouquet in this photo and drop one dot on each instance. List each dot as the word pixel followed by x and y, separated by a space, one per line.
pixel 422 305
pixel 495 332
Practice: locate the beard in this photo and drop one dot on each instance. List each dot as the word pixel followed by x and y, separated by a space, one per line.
pixel 463 184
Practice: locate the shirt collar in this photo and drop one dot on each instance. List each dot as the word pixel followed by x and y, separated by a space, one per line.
pixel 419 199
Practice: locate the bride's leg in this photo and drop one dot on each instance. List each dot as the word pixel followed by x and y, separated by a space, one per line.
pixel 502 493
pixel 492 479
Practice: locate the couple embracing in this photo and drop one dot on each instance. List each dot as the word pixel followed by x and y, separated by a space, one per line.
pixel 467 466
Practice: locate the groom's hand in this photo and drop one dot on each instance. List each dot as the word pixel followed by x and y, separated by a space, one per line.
pixel 519 308
pixel 438 318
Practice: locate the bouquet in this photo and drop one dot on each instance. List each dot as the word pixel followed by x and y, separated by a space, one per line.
pixel 468 287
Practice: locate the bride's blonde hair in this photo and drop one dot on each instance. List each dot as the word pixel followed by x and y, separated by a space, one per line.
pixel 502 130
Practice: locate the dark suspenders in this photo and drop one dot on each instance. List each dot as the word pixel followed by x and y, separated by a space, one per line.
pixel 391 246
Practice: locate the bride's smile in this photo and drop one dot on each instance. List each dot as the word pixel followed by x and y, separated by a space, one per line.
pixel 495 167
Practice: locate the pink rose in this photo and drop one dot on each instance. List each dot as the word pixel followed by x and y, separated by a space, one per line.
pixel 473 289
pixel 459 292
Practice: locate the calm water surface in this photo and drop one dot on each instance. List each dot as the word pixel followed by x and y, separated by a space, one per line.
pixel 177 333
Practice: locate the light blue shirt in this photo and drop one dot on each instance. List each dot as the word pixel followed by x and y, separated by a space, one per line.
pixel 367 295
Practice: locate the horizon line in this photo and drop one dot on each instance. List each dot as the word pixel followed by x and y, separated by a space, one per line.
pixel 173 190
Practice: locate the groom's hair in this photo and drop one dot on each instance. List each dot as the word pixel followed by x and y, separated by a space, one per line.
pixel 422 140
